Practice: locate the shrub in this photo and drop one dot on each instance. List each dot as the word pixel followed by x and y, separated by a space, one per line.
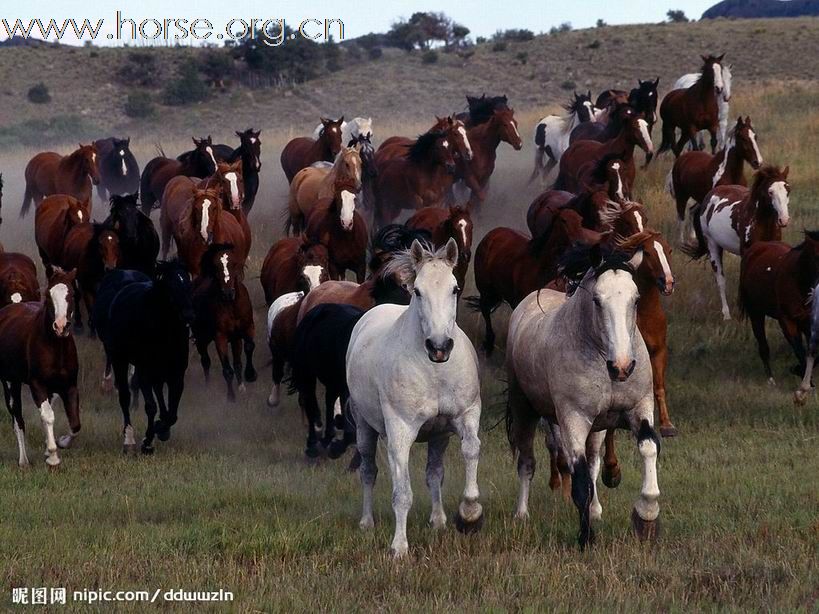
pixel 429 57
pixel 139 104
pixel 38 94
pixel 595 44
pixel 522 57
pixel 499 46
pixel 187 88
pixel 140 68
pixel 676 16
pixel 601 24
pixel 568 85
pixel 518 35
pixel 480 40
pixel 375 53
pixel 216 65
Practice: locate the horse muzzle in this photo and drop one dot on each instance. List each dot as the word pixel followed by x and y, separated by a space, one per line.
pixel 450 168
pixel 439 352
pixel 783 222
pixel 62 328
pixel 619 372
pixel 756 164
pixel 666 285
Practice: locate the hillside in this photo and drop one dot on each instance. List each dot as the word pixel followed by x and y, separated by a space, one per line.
pixel 88 99
pixel 749 9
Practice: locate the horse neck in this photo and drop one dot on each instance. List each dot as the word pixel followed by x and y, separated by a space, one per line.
pixel 734 164
pixel 322 147
pixel 408 326
pixel 622 146
pixel 486 135
pixel 73 163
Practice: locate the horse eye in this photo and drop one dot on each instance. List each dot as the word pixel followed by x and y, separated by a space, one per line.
pixel 456 289
pixel 417 293
pixel 596 302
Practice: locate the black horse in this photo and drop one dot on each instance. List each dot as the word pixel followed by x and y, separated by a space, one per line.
pixel 199 162
pixel 148 327
pixel 119 171
pixel 139 241
pixel 320 353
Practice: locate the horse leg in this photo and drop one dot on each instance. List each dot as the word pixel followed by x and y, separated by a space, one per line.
pixel 236 348
pixel 758 327
pixel 680 144
pixel 400 437
pixel 487 304
pixel 658 355
pixel 124 393
pixel 794 338
pixel 250 346
pixel 367 443
pixel 221 344
pixel 713 130
pixel 521 426
pixel 330 400
pixel 645 516
pixel 593 445
pixel 107 375
pixel 42 399
pixel 277 375
pixel 176 384
pixel 77 312
pixel 538 169
pixel 436 447
pixel 12 392
pixel 552 446
pixel 88 302
pixel 204 359
pixel 308 401
pixel 343 423
pixel 575 430
pixel 150 412
pixel 611 466
pixel 102 192
pixel 715 254
pixel 71 404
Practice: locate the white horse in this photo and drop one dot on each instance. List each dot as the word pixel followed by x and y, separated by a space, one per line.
pixel 351 130
pixel 553 131
pixel 723 99
pixel 413 375
pixel 579 361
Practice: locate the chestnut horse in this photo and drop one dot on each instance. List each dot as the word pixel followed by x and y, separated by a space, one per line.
pixel 18 279
pixel 695 173
pixel 303 151
pixel 395 146
pixel 50 173
pixel 732 217
pixel 443 224
pixel 54 218
pixel 293 264
pixel 37 348
pixel 229 178
pixel 693 109
pixel 224 316
pixel 777 281
pixel 200 162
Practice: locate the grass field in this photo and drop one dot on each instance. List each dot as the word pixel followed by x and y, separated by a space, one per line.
pixel 231 503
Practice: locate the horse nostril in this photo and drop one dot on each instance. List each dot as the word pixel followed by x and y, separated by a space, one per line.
pixel 630 368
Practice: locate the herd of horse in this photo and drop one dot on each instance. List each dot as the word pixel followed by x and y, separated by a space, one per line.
pixel 586 348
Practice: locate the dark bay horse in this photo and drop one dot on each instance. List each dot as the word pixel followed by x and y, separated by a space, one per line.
pixel 303 151
pixel 480 109
pixel 456 136
pixel 53 220
pixel 201 162
pixel 18 279
pixel 50 173
pixel 293 264
pixel 119 170
pixel 224 316
pixel 443 224
pixel 147 327
pixel 138 239
pixel 37 349
pixel 606 127
pixel 693 109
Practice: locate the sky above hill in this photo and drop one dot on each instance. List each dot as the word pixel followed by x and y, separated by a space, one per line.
pixel 482 17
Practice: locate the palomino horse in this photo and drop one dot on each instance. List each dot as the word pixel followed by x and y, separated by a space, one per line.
pixel 695 173
pixel 723 100
pixel 119 171
pixel 147 327
pixel 777 281
pixel 424 392
pixel 224 316
pixel 303 151
pixel 443 225
pixel 552 134
pixel 293 264
pixel 138 239
pixel 560 347
pixel 54 218
pixel 422 177
pixel 49 173
pixel 732 217
pixel 18 279
pixel 582 157
pixel 351 131
pixel 693 109
pixel 200 162
pixel 313 184
pixel 37 348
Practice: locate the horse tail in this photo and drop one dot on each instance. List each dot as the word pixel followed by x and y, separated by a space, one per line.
pixel 669 183
pixel 289 227
pixel 697 250
pixel 27 198
pixel 668 137
pixel 742 300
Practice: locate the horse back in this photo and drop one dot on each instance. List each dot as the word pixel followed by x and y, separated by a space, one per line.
pixel 43 167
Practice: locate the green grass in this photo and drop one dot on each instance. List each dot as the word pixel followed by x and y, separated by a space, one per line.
pixel 231 503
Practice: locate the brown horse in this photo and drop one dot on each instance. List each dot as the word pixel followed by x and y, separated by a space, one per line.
pixel 693 109
pixel 695 173
pixel 281 326
pixel 396 146
pixel 200 162
pixel 312 184
pixel 580 160
pixel 54 218
pixel 422 177
pixel 338 226
pixel 293 264
pixel 92 250
pixel 18 279
pixel 443 224
pixel 777 281
pixel 50 173
pixel 229 179
pixel 37 348
pixel 303 151
pixel 224 316
pixel 484 139
pixel 509 265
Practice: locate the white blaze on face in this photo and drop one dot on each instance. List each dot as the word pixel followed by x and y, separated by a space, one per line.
pixel 719 84
pixel 445 143
pixel 59 298
pixel 16 298
pixel 639 220
pixel 347 209
pixel 462 228
pixel 225 271
pixel 616 167
pixel 643 124
pixel 313 273
pixel 203 228
pixel 669 277
pixel 758 153
pixel 590 107
pixel 234 189
pixel 726 83
pixel 212 157
pixel 780 199
pixel 616 294
pixel 124 168
pixel 462 132
pixel 515 128
pixel 79 214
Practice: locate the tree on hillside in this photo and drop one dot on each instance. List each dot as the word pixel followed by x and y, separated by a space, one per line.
pixel 299 59
pixel 676 16
pixel 423 30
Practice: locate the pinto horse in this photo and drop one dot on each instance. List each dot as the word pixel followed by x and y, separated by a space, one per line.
pixel 552 133
pixel 53 220
pixel 201 162
pixel 18 279
pixel 693 109
pixel 224 316
pixel 303 151
pixel 49 173
pixel 732 217
pixel 293 264
pixel 138 239
pixel 119 170
pixel 444 224
pixel 37 348
pixel 229 178
pixel 695 173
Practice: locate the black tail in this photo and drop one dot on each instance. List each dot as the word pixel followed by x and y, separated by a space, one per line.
pixel 26 203
pixel 668 137
pixel 697 250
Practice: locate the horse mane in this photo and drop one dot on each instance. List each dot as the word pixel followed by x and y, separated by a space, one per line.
pixel 481 109
pixel 767 173
pixel 579 261
pixel 614 210
pixel 402 264
pixel 633 242
pixel 419 150
pixel 391 239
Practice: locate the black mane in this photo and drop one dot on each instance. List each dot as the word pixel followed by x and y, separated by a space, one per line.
pixel 420 149
pixel 481 109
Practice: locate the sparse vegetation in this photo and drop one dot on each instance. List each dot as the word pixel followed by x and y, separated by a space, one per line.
pixel 429 57
pixel 566 26
pixel 568 85
pixel 601 24
pixel 187 88
pixel 522 57
pixel 39 94
pixel 140 68
pixel 676 16
pixel 595 44
pixel 499 46
pixel 517 35
pixel 139 105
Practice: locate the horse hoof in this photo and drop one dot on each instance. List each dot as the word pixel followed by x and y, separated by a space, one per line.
pixel 242 388
pixel 612 476
pixel 645 530
pixel 668 431
pixel 65 442
pixel 366 523
pixel 163 432
pixel 337 449
pixel 147 449
pixel 53 467
pixel 355 462
pixel 471 525
pixel 338 422
pixel 312 452
pixel 129 448
pixel 251 375
pixel 800 397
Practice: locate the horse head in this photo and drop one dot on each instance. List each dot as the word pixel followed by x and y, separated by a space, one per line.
pixel 507 127
pixel 220 266
pixel 59 301
pixel 173 281
pixel 771 191
pixel 314 260
pixel 366 152
pixel 106 242
pixel 344 194
pixel 205 209
pixel 433 148
pixel 637 131
pixel 712 72
pixel 347 166
pixel 456 135
pixel 120 152
pixel 124 218
pixel 582 106
pixel 656 263
pixel 459 227
pixel 746 143
pixel 90 162
pixel 231 181
pixel 331 133
pixel 644 98
pixel 203 156
pixel 251 147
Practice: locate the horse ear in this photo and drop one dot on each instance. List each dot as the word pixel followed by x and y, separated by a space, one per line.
pixel 71 275
pixel 239 134
pixel 719 58
pixel 195 141
pixel 704 58
pixel 416 253
pixel 636 260
pixel 656 81
pixel 786 171
pixel 639 81
pixel 341 120
pixel 451 254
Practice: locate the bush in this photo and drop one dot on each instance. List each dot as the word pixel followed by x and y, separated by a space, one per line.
pixel 595 44
pixel 429 57
pixel 139 104
pixel 499 46
pixel 375 53
pixel 187 88
pixel 216 65
pixel 676 16
pixel 38 94
pixel 140 68
pixel 566 26
pixel 568 85
pixel 522 57
pixel 601 24
pixel 517 35
pixel 480 40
